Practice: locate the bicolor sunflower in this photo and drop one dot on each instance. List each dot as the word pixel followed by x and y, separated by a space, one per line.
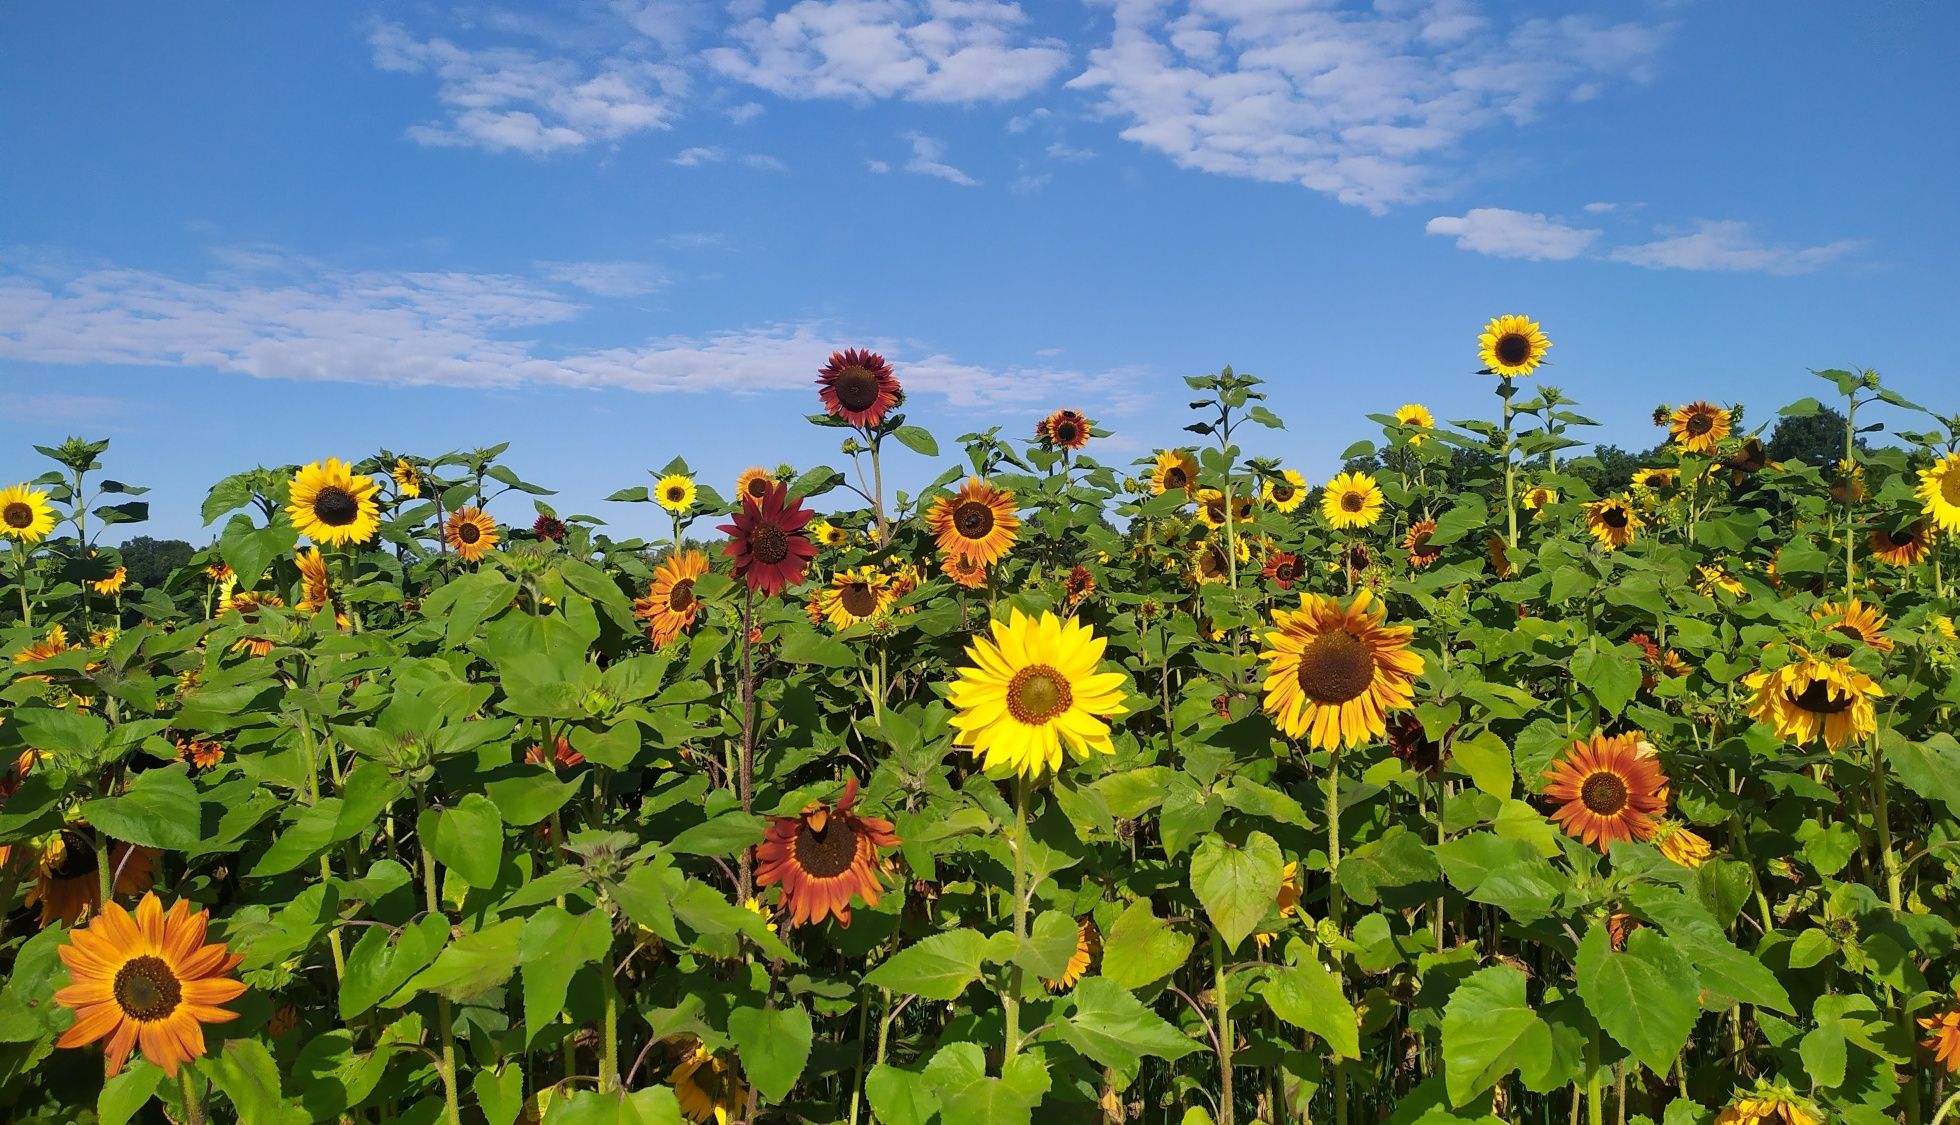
pixel 670 607
pixel 1088 946
pixel 1512 346
pixel 1538 497
pixel 1352 501
pixel 1334 672
pixel 407 478
pixel 315 592
pixel 675 492
pixel 332 505
pixel 1944 1041
pixel 1699 427
pixel 856 595
pixel 111 586
pixel 200 753
pixel 1907 546
pixel 1417 417
pixel 1411 744
pixel 25 514
pixel 1175 471
pixel 1613 522
pixel 1416 542
pixel 767 542
pixel 1939 487
pixel 858 386
pixel 562 756
pixel 470 533
pixel 1769 1105
pixel 1079 584
pixel 147 981
pixel 1659 485
pixel 823 857
pixel 1681 844
pixel 1210 563
pixel 51 644
pixel 968 573
pixel 754 483
pixel 1608 788
pixel 1855 621
pixel 1032 687
pixel 1064 429
pixel 1748 459
pixel 67 884
pixel 707 1087
pixel 1815 697
pixel 977 523
pixel 1283 567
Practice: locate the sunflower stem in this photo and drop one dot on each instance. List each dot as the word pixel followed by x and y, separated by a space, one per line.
pixel 1011 1000
pixel 1336 907
pixel 1844 475
pixel 1504 391
pixel 1595 1110
pixel 1895 895
pixel 1220 985
pixel 745 773
pixel 445 1015
pixel 609 1041
pixel 193 1109
pixel 20 557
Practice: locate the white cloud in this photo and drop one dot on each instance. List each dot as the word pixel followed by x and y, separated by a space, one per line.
pixel 1369 105
pixel 1601 208
pixel 928 160
pixel 959 51
pixel 744 113
pixel 1062 151
pixel 690 157
pixel 1731 246
pixel 606 279
pixel 292 318
pixel 877 167
pixel 1028 183
pixel 1513 234
pixel 763 162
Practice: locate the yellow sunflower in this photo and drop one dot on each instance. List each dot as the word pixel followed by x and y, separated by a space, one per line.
pixel 707 1087
pixel 754 483
pixel 1352 501
pixel 315 592
pixel 331 505
pixel 470 533
pixel 1680 844
pixel 1710 577
pixel 1613 522
pixel 408 480
pixel 977 523
pixel 111 586
pixel 1176 471
pixel 1088 946
pixel 1287 900
pixel 1769 1105
pixel 1333 673
pixel 1658 484
pixel 670 605
pixel 147 981
pixel 675 492
pixel 1538 497
pixel 829 534
pixel 1032 688
pixel 1854 620
pixel 1939 486
pixel 1209 562
pixel 1814 697
pixel 1699 427
pixel 25 514
pixel 1417 417
pixel 1512 345
pixel 856 595
pixel 1284 492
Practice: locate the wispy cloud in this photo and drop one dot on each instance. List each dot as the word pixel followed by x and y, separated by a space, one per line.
pixel 1726 245
pixel 606 279
pixel 1513 234
pixel 928 159
pixel 707 154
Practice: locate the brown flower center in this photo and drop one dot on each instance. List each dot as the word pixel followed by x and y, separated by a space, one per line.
pixel 829 851
pixel 1065 433
pixel 1176 477
pixel 1513 349
pixel 1700 422
pixel 1037 694
pixel 680 596
pixel 857 599
pixel 759 487
pixel 468 534
pixel 857 388
pixel 1282 491
pixel 1949 487
pixel 146 989
pixel 1817 699
pixel 1352 501
pixel 1604 794
pixel 1614 517
pixel 336 507
pixel 19 515
pixel 1212 563
pixel 768 544
pixel 1336 667
pixel 676 493
pixel 1286 570
pixel 973 520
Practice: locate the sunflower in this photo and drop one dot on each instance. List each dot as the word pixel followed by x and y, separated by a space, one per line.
pixel 1175 471
pixel 25 514
pixel 470 533
pixel 1710 577
pixel 1538 497
pixel 1939 486
pixel 856 595
pixel 1848 485
pixel 200 753
pixel 1079 584
pixel 1611 791
pixel 1334 673
pixel 408 480
pixel 1352 501
pixel 1944 1041
pixel 562 755
pixel 829 534
pixel 754 483
pixel 823 857
pixel 1417 417
pixel 767 541
pixel 52 645
pixel 1768 1105
pixel 1680 844
pixel 1905 547
pixel 670 606
pixel 1211 563
pixel 1748 459
pixel 111 586
pixel 1658 484
pixel 1855 621
pixel 707 1087
pixel 1283 567
pixel 907 579
pixel 675 492
pixel 315 592
pixel 1088 946
pixel 1286 899
pixel 1064 429
pixel 66 882
pixel 978 522
pixel 330 505
pixel 1813 697
pixel 1284 492
pixel 968 573
pixel 548 528
pixel 147 981
pixel 1613 522
pixel 1944 625
pixel 1512 345
pixel 1031 688
pixel 1408 741
pixel 1699 427
pixel 1416 542
pixel 858 386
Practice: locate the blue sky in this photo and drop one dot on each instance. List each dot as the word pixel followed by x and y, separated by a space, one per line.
pixel 613 234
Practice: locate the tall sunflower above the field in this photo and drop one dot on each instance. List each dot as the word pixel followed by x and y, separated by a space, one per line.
pixel 767 542
pixel 1064 429
pixel 1511 346
pixel 1333 672
pixel 408 481
pixel 977 523
pixel 1175 471
pixel 1033 687
pixel 1284 492
pixel 675 492
pixel 1352 501
pixel 1608 790
pixel 1417 417
pixel 1939 487
pixel 332 505
pixel 823 857
pixel 1613 522
pixel 1815 697
pixel 1699 427
pixel 754 483
pixel 25 514
pixel 470 533
pixel 859 387
pixel 670 605
pixel 856 595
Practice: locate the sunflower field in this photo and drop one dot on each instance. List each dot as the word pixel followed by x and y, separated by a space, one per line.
pixel 1462 786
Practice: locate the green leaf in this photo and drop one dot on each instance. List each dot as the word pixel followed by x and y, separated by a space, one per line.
pixel 528 798
pixel 1466 515
pixel 1489 1030
pixel 775 1045
pixel 1115 1029
pixel 724 835
pixel 916 439
pixel 1487 760
pixel 1505 872
pixel 807 646
pixel 554 945
pixel 1930 768
pixel 472 964
pixel 1141 948
pixel 244 1070
pixel 1309 997
pixel 937 968
pixel 1050 943
pixel 900 1097
pixel 127 1093
pixel 499 1093
pixel 468 838
pixel 332 1076
pixel 1236 886
pixel 1643 997
pixel 160 809
pixel 300 840
pixel 1611 673
pixel 377 967
pixel 1397 858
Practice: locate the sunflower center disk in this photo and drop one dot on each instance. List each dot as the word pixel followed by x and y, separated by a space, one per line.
pixel 336 507
pixel 1700 424
pixel 827 853
pixel 758 489
pixel 769 545
pixel 19 515
pixel 676 493
pixel 1336 667
pixel 858 600
pixel 1817 699
pixel 146 989
pixel 1513 350
pixel 1282 493
pixel 1949 489
pixel 1604 794
pixel 469 533
pixel 1065 433
pixel 1037 694
pixel 681 597
pixel 1615 518
pixel 1351 502
pixel 973 519
pixel 1286 572
pixel 1175 478
pixel 857 388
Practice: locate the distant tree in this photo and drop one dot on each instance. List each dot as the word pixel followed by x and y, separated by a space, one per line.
pixel 150 561
pixel 1610 469
pixel 1817 440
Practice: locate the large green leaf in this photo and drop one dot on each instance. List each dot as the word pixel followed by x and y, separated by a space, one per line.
pixel 377 965
pixel 468 838
pixel 1489 1030
pixel 1644 997
pixel 775 1045
pixel 1113 1027
pixel 1503 871
pixel 554 945
pixel 472 964
pixel 160 809
pixel 937 968
pixel 1141 948
pixel 1309 997
pixel 1236 885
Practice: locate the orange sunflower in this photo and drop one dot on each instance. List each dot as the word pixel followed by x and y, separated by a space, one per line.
pixel 1088 946
pixel 66 884
pixel 1613 522
pixel 1283 567
pixel 1610 789
pixel 470 534
pixel 1333 673
pixel 670 606
pixel 858 386
pixel 1944 1041
pixel 823 858
pixel 753 484
pixel 977 523
pixel 1905 547
pixel 1855 621
pixel 960 569
pixel 1416 542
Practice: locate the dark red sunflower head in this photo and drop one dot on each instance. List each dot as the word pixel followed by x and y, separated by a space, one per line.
pixel 858 386
pixel 768 543
pixel 1408 741
pixel 823 857
pixel 1283 567
pixel 549 528
pixel 1064 429
pixel 1079 584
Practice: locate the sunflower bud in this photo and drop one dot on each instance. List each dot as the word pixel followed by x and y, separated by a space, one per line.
pixel 599 703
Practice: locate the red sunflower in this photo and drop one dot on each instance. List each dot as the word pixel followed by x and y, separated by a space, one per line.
pixel 1064 429
pixel 1283 567
pixel 767 542
pixel 858 386
pixel 825 857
